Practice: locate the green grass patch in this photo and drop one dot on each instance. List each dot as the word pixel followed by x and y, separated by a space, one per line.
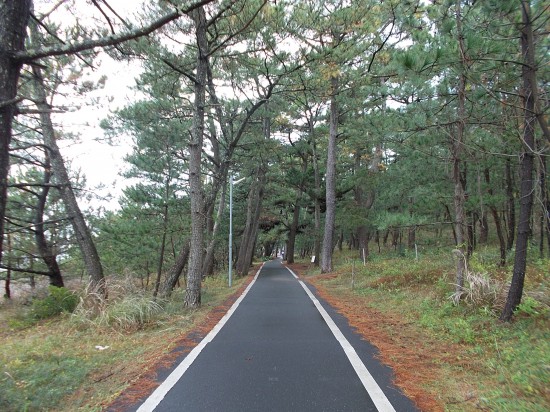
pixel 81 362
pixel 505 366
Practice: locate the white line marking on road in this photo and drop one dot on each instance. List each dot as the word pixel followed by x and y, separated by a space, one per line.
pixel 158 395
pixel 375 392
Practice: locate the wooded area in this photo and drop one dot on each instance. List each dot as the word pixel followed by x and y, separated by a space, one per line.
pixel 402 123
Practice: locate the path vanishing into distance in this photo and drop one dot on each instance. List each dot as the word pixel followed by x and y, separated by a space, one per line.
pixel 279 348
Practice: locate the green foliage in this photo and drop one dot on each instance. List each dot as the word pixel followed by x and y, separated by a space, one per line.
pixel 530 306
pixel 511 360
pixel 59 300
pixel 39 381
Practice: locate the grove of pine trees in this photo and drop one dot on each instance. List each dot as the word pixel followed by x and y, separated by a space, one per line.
pixel 362 122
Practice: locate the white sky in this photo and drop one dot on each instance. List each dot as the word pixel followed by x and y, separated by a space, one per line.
pixel 100 162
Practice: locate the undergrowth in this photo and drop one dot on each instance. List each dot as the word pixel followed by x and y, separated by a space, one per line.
pixel 83 360
pixel 506 366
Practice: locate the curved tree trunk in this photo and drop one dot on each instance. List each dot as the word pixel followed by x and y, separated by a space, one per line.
pixel 44 248
pixel 175 271
pixel 61 176
pixel 527 162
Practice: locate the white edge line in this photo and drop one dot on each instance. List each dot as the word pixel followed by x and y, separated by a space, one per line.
pixel 375 392
pixel 158 395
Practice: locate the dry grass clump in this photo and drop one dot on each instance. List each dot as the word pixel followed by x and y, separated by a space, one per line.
pixel 128 307
pixel 480 290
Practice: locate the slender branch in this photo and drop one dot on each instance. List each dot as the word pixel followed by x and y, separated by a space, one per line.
pixel 6 103
pixel 58 50
pixel 32 271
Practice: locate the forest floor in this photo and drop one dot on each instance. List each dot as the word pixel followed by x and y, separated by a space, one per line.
pixel 447 357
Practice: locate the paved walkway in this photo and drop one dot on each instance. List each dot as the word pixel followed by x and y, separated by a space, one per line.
pixel 280 349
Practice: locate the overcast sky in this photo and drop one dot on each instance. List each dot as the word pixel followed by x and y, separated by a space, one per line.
pixel 99 161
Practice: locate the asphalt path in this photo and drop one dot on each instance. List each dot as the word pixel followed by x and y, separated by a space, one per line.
pixel 280 348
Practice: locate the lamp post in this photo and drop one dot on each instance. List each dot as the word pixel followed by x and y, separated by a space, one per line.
pixel 231 183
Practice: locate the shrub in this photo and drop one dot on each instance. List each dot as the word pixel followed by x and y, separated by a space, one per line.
pixel 481 291
pixel 127 312
pixel 58 300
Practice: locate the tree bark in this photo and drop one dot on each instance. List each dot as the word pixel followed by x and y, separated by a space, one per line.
pixel 254 207
pixel 44 248
pixel 290 245
pixel 496 218
pixel 317 205
pixel 175 271
pixel 7 283
pixel 545 206
pixel 194 270
pixel 511 207
pixel 330 181
pixel 209 257
pixel 456 154
pixel 293 232
pixel 14 16
pixel 163 240
pixel 248 239
pixel 82 233
pixel 527 161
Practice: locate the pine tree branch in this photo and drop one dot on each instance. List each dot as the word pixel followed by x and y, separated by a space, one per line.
pixel 63 49
pixel 31 271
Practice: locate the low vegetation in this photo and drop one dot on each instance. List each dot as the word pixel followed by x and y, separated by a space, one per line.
pixel 54 360
pixel 450 355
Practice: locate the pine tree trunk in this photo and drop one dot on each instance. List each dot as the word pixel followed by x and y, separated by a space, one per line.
pixel 163 241
pixel 256 224
pixel 293 229
pixel 82 233
pixel 242 263
pixel 44 248
pixel 317 205
pixel 545 208
pixel 330 181
pixel 248 239
pixel 14 16
pixel 456 154
pixel 194 271
pixel 496 218
pixel 209 257
pixel 254 207
pixel 527 164
pixel 511 207
pixel 175 271
pixel 7 284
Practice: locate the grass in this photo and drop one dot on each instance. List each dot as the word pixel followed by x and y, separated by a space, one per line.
pixel 460 356
pixel 74 362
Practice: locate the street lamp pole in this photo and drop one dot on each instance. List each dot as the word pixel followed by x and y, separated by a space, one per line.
pixel 231 183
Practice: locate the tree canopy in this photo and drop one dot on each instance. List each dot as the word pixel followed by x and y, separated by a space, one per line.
pixel 350 121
